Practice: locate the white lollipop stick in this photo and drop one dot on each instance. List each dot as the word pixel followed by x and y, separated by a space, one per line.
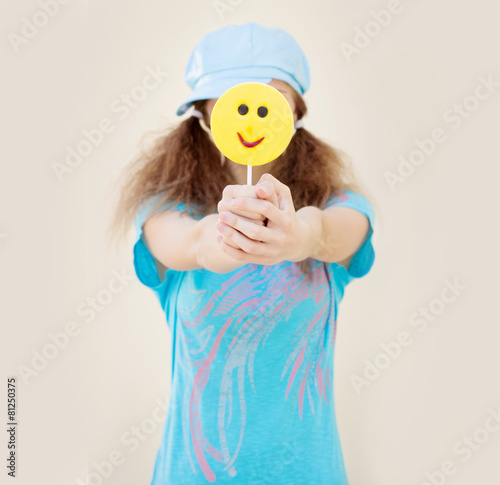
pixel 249 174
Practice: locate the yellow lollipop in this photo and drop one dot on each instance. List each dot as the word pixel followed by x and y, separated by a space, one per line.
pixel 252 124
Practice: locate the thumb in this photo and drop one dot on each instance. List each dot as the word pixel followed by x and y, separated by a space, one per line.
pixel 265 190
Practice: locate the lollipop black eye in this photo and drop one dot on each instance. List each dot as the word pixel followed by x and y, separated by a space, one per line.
pixel 242 109
pixel 262 111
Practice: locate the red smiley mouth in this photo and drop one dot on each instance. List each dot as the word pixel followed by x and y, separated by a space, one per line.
pixel 247 144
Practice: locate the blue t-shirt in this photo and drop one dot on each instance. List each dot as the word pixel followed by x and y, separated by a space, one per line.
pixel 251 398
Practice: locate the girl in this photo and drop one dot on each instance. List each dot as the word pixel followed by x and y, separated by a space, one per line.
pixel 249 277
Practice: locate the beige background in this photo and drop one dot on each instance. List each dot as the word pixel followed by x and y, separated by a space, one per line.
pixel 440 223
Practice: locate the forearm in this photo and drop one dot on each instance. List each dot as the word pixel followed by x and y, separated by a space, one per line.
pixel 330 235
pixel 208 253
pixel 309 232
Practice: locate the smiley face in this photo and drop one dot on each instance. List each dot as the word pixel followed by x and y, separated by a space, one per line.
pixel 252 123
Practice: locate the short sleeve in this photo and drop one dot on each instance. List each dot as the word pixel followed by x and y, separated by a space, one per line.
pixel 364 257
pixel 144 262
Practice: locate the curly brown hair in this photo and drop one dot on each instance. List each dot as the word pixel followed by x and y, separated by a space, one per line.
pixel 184 165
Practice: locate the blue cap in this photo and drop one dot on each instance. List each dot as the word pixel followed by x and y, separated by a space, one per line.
pixel 243 53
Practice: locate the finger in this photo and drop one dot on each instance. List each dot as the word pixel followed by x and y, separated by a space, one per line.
pixel 225 206
pixel 229 217
pixel 221 232
pixel 282 191
pixel 226 240
pixel 264 207
pixel 251 229
pixel 231 251
pixel 236 239
pixel 233 191
pixel 242 256
pixel 230 192
pixel 265 190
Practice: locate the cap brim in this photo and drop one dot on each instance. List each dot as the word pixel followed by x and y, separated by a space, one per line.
pixel 213 89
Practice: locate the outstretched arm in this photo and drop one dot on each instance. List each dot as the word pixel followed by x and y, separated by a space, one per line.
pixel 330 235
pixel 180 242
